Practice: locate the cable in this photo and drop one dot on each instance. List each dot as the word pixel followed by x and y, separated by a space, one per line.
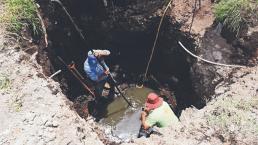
pixel 194 10
pixel 207 61
pixel 156 38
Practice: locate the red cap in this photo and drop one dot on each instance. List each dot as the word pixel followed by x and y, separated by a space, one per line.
pixel 153 101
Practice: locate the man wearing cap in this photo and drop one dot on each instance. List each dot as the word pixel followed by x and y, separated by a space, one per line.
pixel 157 112
pixel 95 71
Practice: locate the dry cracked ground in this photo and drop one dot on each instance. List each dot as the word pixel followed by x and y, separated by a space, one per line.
pixel 33 110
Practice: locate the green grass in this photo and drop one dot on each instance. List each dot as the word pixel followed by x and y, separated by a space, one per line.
pixel 4 82
pixel 233 13
pixel 19 14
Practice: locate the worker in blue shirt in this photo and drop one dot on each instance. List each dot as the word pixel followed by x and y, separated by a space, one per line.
pixel 96 72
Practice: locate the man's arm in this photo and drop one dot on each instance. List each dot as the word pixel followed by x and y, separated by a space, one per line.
pixel 143 119
pixel 104 74
pixel 105 69
pixel 104 65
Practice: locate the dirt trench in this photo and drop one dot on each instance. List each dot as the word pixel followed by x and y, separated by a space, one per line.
pixel 130 41
pixel 128 30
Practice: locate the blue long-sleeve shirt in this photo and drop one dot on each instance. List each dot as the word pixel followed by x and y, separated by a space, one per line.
pixel 93 69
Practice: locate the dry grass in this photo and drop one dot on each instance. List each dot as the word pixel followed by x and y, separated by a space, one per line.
pixel 235 115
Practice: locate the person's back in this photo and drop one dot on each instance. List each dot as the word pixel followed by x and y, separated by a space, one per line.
pixel 161 116
pixel 93 69
pixel 156 113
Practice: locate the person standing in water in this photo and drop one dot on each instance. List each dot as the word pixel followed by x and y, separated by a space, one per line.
pixel 96 72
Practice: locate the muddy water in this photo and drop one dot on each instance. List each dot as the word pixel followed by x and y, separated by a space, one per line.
pixel 125 119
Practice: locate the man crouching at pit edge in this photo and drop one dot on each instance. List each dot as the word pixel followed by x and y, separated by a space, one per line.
pixel 156 112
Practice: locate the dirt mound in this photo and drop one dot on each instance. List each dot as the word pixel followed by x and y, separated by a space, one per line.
pixel 196 15
pixel 33 108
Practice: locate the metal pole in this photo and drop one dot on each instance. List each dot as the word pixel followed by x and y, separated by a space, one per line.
pixel 56 73
pixel 77 72
pixel 77 77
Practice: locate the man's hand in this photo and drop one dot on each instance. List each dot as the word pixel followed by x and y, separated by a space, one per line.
pixel 143 119
pixel 107 72
pixel 143 116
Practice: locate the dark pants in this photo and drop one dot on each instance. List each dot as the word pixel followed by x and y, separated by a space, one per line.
pixel 148 132
pixel 99 86
pixel 145 133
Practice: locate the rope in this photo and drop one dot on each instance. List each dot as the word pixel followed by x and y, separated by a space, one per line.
pixel 207 61
pixel 43 27
pixel 156 38
pixel 70 18
pixel 191 25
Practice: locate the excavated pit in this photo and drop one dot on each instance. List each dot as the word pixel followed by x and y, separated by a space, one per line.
pixel 130 42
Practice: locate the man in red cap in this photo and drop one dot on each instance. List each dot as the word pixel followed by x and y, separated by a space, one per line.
pixel 157 112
